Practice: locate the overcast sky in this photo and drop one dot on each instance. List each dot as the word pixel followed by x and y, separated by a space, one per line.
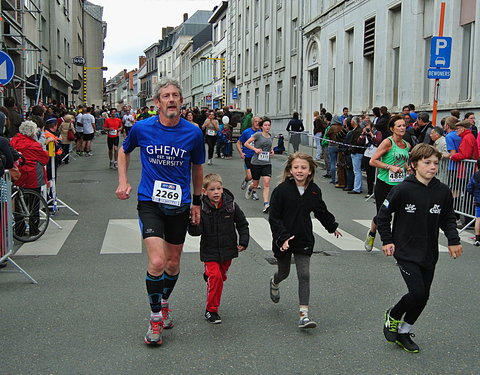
pixel 135 25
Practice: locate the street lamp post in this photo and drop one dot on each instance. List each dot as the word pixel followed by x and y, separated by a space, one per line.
pixel 224 76
pixel 85 80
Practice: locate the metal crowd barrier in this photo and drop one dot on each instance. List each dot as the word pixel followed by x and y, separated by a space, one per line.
pixel 6 226
pixel 456 176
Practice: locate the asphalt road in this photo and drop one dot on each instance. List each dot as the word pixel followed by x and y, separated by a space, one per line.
pixel 89 311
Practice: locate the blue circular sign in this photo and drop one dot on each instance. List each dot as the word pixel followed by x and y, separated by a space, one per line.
pixel 7 68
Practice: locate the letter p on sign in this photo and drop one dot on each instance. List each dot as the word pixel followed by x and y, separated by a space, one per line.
pixel 440 52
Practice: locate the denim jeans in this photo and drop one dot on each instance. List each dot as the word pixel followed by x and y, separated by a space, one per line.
pixel 357 171
pixel 333 153
pixel 318 143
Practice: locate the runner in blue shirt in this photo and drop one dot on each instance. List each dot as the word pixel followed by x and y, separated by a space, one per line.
pixel 172 153
pixel 244 152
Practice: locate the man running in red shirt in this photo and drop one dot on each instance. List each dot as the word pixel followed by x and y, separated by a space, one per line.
pixel 113 126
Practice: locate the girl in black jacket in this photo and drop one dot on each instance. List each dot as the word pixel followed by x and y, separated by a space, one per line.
pixel 289 216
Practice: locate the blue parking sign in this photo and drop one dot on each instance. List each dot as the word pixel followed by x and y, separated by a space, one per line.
pixel 440 52
pixel 7 68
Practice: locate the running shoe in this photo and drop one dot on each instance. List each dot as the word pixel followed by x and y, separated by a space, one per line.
pixel 166 316
pixel 115 165
pixel 254 196
pixel 212 317
pixel 111 164
pixel 274 291
pixel 390 328
pixel 248 193
pixel 244 184
pixel 266 207
pixel 476 243
pixel 369 240
pixel 154 333
pixel 306 322
pixel 209 162
pixel 406 342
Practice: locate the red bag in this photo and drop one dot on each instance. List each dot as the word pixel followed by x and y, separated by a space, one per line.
pixel 70 135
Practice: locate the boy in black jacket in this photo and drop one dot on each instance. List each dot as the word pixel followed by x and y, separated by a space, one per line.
pixel 422 205
pixel 220 219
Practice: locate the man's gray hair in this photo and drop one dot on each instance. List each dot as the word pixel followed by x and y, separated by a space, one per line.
pixel 357 120
pixel 424 116
pixel 164 83
pixel 28 128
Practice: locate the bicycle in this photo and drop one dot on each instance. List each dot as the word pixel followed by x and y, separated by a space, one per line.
pixel 31 214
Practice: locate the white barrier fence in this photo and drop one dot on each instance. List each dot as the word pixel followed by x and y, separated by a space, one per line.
pixel 456 176
pixel 6 226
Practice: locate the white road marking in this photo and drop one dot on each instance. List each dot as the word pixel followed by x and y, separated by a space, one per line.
pixel 51 242
pixel 122 237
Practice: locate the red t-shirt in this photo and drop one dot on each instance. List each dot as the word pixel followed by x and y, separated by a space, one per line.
pixel 112 124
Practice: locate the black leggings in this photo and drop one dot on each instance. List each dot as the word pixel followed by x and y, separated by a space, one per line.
pixel 302 262
pixel 419 281
pixel 211 141
pixel 381 191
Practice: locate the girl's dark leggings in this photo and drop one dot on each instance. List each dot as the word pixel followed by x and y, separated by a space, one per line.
pixel 302 262
pixel 418 280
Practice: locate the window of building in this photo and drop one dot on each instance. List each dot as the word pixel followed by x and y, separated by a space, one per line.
pixel 279 4
pixel 349 66
pixel 369 54
pixel 267 5
pixel 247 99
pixel 239 26
pixel 279 46
pixel 247 20
pixel 215 34
pixel 294 35
pixel 223 27
pixel 255 57
pixel 266 51
pixel 257 98
pixel 467 61
pixel 293 94
pixel 313 76
pixel 59 43
pixel 279 96
pixel 255 12
pixel 247 61
pixel 396 30
pixel 426 62
pixel 332 65
pixel 267 99
pixel 467 11
pixel 239 65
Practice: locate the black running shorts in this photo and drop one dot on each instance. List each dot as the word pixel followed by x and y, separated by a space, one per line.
pixel 112 141
pixel 154 222
pixel 261 170
pixel 248 163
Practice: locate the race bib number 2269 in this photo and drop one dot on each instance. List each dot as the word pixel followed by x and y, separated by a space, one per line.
pixel 167 193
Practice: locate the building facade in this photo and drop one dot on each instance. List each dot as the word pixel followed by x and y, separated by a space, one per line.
pixel 42 37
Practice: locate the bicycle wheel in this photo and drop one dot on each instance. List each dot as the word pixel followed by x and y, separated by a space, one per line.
pixel 30 215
